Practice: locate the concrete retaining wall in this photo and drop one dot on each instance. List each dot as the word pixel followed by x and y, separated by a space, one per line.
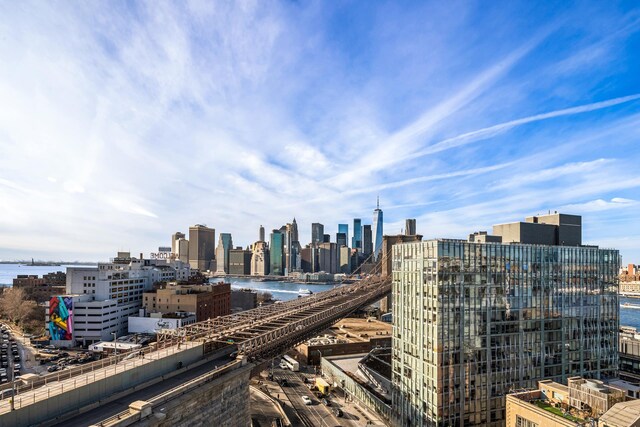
pixel 74 399
pixel 223 402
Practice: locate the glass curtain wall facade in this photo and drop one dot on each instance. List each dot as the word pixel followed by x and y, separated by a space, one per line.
pixel 276 253
pixel 344 228
pixel 473 321
pixel 377 233
pixel 356 240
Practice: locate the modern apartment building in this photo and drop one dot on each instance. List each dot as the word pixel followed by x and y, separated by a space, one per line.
pixel 472 321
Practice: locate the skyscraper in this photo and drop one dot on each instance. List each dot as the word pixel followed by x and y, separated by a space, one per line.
pixel 225 244
pixel 276 253
pixel 317 233
pixel 410 227
pixel 367 243
pixel 292 246
pixel 182 253
pixel 202 246
pixel 356 240
pixel 174 241
pixel 344 228
pixel 261 239
pixel 341 239
pixel 294 231
pixel 260 259
pixel 473 320
pixel 377 230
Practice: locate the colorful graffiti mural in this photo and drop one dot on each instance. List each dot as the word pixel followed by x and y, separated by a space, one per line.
pixel 60 318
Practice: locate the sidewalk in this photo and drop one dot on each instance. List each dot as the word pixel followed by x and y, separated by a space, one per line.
pixel 353 406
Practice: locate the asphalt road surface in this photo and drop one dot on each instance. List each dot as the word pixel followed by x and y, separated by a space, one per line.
pixel 316 414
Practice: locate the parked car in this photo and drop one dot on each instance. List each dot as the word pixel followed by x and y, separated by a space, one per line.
pixel 306 400
pixel 52 368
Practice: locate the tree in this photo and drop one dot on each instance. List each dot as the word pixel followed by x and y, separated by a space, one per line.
pixel 15 306
pixel 264 296
pixel 11 303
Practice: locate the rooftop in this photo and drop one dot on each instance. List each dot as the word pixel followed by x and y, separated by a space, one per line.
pixel 359 330
pixel 622 414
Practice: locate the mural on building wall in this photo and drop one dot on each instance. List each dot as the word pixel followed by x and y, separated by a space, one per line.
pixel 60 318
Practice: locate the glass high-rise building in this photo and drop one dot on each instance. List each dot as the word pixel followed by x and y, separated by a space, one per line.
pixel 472 321
pixel 317 233
pixel 367 243
pixel 410 227
pixel 356 240
pixel 276 253
pixel 341 239
pixel 377 231
pixel 344 228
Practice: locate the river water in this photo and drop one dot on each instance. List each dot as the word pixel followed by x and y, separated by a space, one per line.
pixel 283 291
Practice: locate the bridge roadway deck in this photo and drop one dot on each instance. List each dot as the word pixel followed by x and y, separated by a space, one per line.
pixel 27 398
pixel 95 416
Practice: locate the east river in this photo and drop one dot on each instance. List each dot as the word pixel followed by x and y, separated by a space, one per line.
pixel 280 290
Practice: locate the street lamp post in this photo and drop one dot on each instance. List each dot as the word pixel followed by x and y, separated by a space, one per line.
pixel 115 344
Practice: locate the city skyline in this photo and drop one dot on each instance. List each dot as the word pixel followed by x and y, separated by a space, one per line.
pixel 140 121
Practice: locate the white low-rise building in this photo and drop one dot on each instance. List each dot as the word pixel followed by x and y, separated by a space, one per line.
pixel 100 299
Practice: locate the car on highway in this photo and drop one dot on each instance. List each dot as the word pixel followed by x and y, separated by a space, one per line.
pixel 338 412
pixel 306 400
pixel 326 402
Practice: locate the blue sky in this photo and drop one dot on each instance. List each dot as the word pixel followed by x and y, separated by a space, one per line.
pixel 122 123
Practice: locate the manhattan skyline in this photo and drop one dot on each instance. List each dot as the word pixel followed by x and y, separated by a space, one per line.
pixel 120 127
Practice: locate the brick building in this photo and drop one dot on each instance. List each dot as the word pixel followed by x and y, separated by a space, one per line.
pixel 206 301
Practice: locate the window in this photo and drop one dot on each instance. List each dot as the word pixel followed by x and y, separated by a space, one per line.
pixel 523 422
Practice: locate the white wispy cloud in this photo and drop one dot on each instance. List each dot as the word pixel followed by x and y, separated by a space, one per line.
pixel 138 120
